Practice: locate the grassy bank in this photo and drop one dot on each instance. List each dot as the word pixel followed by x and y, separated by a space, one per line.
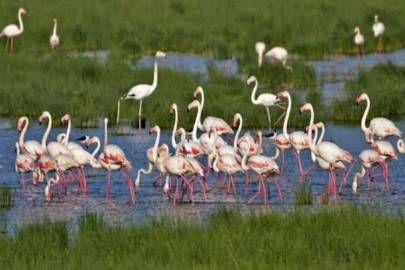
pixel 310 28
pixel 385 86
pixel 87 90
pixel 343 238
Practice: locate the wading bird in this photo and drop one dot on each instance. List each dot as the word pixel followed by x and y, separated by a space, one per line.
pixel 25 164
pixel 54 40
pixel 378 29
pixel 32 148
pixel 359 41
pixel 13 30
pixel 142 91
pixel 369 159
pixel 260 48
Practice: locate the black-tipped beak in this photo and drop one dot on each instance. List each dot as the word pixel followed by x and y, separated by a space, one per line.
pixel 150 133
pixel 357 104
pixel 300 112
pixel 124 96
pixel 83 138
pixel 39 122
pixel 188 109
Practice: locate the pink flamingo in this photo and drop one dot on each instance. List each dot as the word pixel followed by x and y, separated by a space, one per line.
pixel 53 148
pixel 298 139
pixel 282 144
pixel 261 165
pixel 387 153
pixel 369 158
pixel 32 148
pixel 380 126
pixel 13 30
pixel 25 164
pixel 70 145
pixel 211 122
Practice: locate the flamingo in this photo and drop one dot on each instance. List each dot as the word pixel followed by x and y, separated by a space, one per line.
pixel 32 148
pixel 298 139
pixel 378 29
pixel 48 189
pixel 219 124
pixel 69 145
pixel 47 164
pixel 142 91
pixel 113 158
pixel 13 30
pixel 54 40
pixel 24 164
pixel 369 158
pixel 228 164
pixel 380 126
pixel 66 163
pixel 282 144
pixel 262 165
pixel 260 48
pixel 267 100
pixel 327 151
pixel 53 148
pixel 279 54
pixel 359 41
pixel 387 153
pixel 151 155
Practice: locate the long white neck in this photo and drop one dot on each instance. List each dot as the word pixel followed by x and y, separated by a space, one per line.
pixel 322 134
pixel 260 58
pixel 253 96
pixel 215 165
pixel 287 116
pixel 155 147
pixel 244 164
pixel 359 174
pixel 198 121
pixel 200 126
pixel 66 139
pixel 259 147
pixel 176 119
pixel 22 135
pixel 364 118
pixel 235 140
pixel 313 156
pixel 180 145
pixel 48 129
pixel 276 155
pixel 20 21
pixel 155 76
pixel 311 126
pixel 93 161
pixel 105 136
pixel 17 149
pixel 55 26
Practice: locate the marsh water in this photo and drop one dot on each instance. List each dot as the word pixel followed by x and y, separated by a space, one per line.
pixel 151 201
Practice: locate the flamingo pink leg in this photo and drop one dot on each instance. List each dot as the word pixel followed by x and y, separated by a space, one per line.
pixel 280 195
pixel 233 184
pixel 247 180
pixel 301 172
pixel 282 163
pixel 108 186
pixel 261 190
pixel 159 176
pixel 130 185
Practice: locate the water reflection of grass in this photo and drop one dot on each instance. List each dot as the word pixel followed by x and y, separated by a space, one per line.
pixel 345 238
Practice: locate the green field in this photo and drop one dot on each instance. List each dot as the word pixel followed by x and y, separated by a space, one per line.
pixel 340 238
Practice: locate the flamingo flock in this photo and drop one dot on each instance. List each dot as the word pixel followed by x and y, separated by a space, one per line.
pixel 195 158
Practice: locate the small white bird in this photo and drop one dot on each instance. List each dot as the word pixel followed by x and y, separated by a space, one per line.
pixel 378 29
pixel 54 40
pixel 13 30
pixel 260 49
pixel 359 41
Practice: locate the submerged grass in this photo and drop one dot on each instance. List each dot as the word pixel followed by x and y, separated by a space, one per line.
pixel 303 194
pixel 384 84
pixel 88 91
pixel 6 196
pixel 343 238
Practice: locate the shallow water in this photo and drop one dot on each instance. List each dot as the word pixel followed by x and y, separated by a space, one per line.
pixel 151 201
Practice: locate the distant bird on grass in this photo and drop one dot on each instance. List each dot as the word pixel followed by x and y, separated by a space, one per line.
pixel 54 38
pixel 13 30
pixel 277 53
pixel 359 41
pixel 378 29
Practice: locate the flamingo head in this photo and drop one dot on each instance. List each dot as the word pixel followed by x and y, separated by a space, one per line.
pixel 153 129
pixel 356 30
pixel 45 114
pixel 60 137
pixel 55 21
pixel 193 104
pixel 376 18
pixel 361 98
pixel 260 47
pixel 197 91
pixel 257 135
pixel 160 54
pixel 251 79
pixel 173 108
pixel 282 94
pixel 65 118
pixel 236 119
pixel 22 11
pixel 306 107
pixel 21 122
pixel 92 140
pixel 48 193
pixel 163 150
pixel 180 131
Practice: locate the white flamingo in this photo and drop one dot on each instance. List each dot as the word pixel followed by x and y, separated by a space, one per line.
pixel 359 41
pixel 65 141
pixel 379 126
pixel 378 29
pixel 25 164
pixel 369 158
pixel 260 48
pixel 279 54
pixel 13 30
pixel 142 91
pixel 387 153
pixel 267 100
pixel 54 40
pixel 32 148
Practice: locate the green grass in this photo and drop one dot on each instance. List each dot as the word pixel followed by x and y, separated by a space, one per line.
pixel 343 238
pixel 310 28
pixel 303 194
pixel 6 196
pixel 384 84
pixel 89 91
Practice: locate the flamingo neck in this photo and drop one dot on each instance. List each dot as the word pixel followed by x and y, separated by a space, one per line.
pixel 311 124
pixel 66 139
pixel 215 165
pixel 244 164
pixel 55 26
pixel 93 161
pixel 260 58
pixel 155 77
pixel 48 129
pixel 105 136
pixel 20 21
pixel 276 155
pixel 313 156
pixel 200 126
pixel 17 149
pixel 198 119
pixel 22 135
pixel 259 147
pixel 287 116
pixel 155 147
pixel 364 118
pixel 176 119
pixel 235 140
pixel 180 145
pixel 322 134
pixel 252 97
